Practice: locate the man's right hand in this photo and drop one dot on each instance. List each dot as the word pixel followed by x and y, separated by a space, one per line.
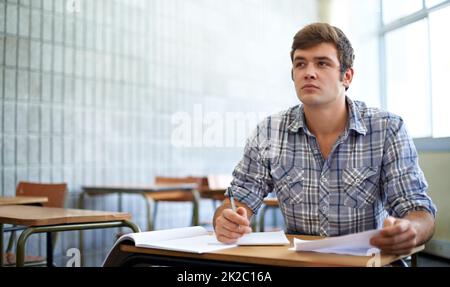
pixel 230 225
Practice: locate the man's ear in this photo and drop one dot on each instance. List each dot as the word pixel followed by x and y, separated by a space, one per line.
pixel 348 77
pixel 292 74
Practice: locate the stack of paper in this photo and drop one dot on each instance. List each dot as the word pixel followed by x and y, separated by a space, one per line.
pixel 352 244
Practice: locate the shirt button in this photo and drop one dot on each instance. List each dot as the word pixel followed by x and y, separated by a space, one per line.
pixel 323 179
pixel 324 208
pixel 288 177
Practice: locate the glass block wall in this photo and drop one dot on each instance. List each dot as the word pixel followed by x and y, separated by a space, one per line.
pixel 91 92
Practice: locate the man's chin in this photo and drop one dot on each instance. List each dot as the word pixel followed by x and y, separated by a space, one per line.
pixel 311 99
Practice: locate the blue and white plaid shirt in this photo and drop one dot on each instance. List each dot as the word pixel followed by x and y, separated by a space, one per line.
pixel 372 171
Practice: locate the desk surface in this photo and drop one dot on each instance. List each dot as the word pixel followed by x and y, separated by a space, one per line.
pixel 41 216
pixel 12 200
pixel 273 202
pixel 279 256
pixel 137 188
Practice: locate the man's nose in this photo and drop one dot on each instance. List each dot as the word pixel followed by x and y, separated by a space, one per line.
pixel 310 73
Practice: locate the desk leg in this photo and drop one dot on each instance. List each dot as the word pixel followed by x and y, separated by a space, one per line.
pixel 49 249
pixel 20 255
pixel 119 201
pixel 80 233
pixel 120 208
pixel 1 244
pixel 149 206
pixel 134 227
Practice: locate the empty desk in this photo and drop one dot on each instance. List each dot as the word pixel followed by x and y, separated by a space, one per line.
pixel 50 219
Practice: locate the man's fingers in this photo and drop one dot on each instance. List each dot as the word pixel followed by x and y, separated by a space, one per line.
pixel 389 221
pixel 242 211
pixel 226 240
pixel 400 226
pixel 231 225
pixel 232 234
pixel 384 242
pixel 399 249
pixel 235 217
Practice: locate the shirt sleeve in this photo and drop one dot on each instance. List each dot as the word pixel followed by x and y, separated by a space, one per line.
pixel 403 182
pixel 251 177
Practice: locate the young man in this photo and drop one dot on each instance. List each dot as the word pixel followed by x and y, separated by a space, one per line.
pixel 336 166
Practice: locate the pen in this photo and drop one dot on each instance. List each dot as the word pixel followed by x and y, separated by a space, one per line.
pixel 230 195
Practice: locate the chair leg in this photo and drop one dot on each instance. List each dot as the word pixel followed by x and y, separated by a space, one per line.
pixel 12 239
pixel 195 208
pixel 414 260
pixel 1 244
pixel 49 249
pixel 262 218
pixel 155 212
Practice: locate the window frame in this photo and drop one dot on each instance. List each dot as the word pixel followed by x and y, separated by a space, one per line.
pixel 427 144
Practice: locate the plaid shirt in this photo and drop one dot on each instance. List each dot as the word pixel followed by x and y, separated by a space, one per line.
pixel 372 171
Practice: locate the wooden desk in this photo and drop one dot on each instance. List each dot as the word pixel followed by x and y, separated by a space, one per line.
pixel 14 200
pixel 49 219
pixel 215 194
pixel 142 190
pixel 243 256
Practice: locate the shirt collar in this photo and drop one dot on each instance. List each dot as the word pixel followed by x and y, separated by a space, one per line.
pixel 297 120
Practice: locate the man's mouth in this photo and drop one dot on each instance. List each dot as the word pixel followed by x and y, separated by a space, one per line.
pixel 309 86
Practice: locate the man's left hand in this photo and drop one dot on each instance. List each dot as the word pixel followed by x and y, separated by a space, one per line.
pixel 398 236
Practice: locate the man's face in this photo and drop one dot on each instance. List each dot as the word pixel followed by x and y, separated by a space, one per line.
pixel 316 75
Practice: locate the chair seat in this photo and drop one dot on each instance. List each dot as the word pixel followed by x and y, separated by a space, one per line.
pixel 170 196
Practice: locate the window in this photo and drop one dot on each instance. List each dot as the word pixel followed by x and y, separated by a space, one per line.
pixel 415 63
pixel 440 71
pixel 407 82
pixel 431 3
pixel 395 9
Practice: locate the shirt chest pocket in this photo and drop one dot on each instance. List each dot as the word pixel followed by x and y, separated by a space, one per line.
pixel 360 186
pixel 288 183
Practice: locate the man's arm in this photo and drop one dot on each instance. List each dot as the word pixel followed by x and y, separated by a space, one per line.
pixel 229 226
pixel 251 183
pixel 401 235
pixel 405 188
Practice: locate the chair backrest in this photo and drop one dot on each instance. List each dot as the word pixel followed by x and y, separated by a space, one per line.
pixel 56 193
pixel 219 181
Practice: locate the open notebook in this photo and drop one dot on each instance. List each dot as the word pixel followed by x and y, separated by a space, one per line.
pixel 196 239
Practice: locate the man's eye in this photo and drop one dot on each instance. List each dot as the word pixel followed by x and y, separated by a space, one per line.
pixel 323 64
pixel 300 65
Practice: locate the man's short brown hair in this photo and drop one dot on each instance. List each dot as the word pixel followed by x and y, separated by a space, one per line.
pixel 317 33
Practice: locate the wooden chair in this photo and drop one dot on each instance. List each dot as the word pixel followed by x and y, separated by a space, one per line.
pixel 56 195
pixel 214 187
pixel 154 198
